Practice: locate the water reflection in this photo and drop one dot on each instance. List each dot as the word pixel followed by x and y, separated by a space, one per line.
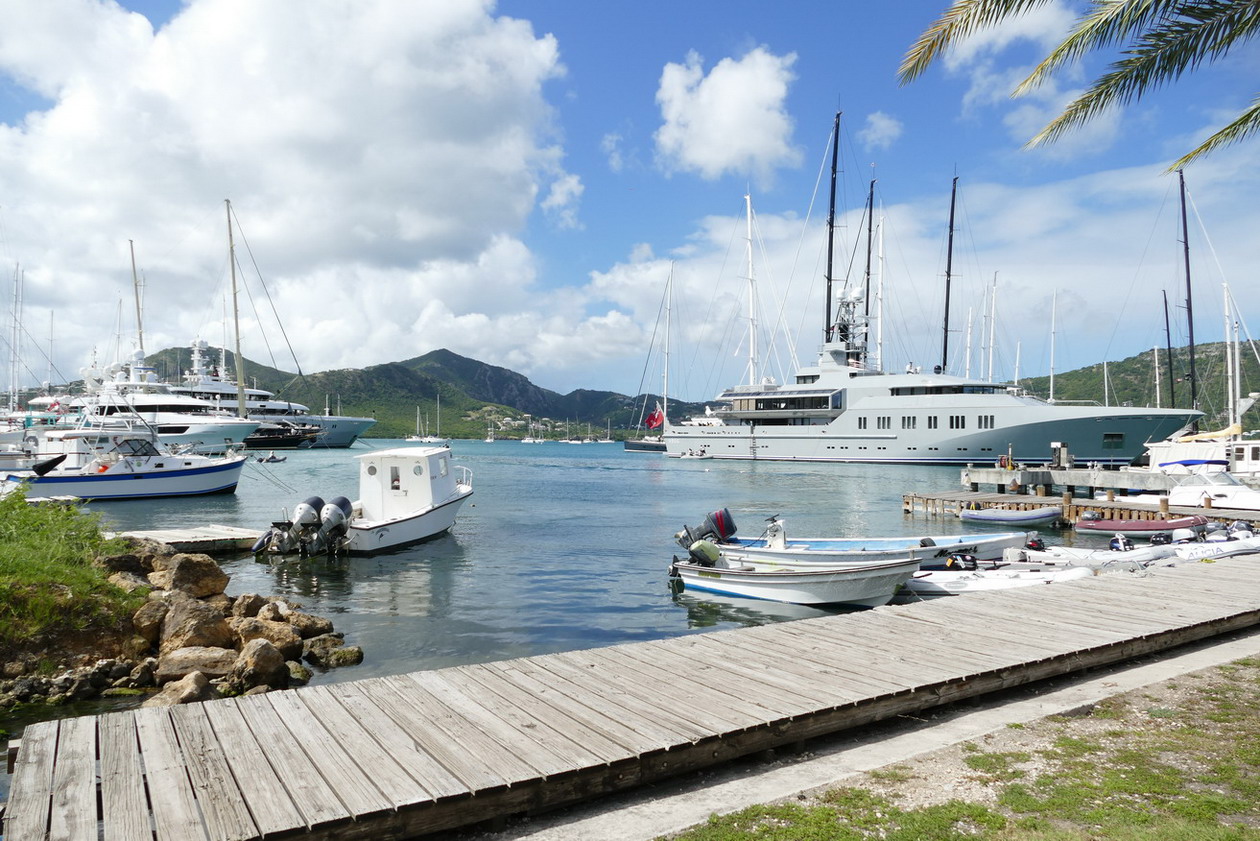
pixel 708 610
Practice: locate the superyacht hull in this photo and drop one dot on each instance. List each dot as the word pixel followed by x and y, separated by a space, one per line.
pixel 918 432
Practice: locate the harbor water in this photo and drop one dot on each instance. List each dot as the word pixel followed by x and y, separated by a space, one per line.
pixel 561 547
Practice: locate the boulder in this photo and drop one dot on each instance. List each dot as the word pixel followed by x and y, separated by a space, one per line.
pixel 248 604
pixel 309 626
pixel 299 675
pixel 196 575
pixel 221 602
pixel 280 634
pixel 129 582
pixel 191 689
pixel 189 622
pixel 275 611
pixel 128 562
pixel 209 661
pixel 329 651
pixel 148 620
pixel 259 664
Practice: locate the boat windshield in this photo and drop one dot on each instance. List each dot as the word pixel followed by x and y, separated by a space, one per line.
pixel 136 447
pixel 1220 479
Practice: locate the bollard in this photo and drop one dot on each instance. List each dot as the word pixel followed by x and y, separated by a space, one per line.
pixel 1163 508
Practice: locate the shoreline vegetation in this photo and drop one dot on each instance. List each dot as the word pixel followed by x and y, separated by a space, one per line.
pixel 85 617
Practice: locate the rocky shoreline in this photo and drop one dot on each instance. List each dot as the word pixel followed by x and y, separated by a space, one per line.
pixel 190 641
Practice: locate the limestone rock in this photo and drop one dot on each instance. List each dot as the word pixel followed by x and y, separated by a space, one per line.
pixel 259 664
pixel 189 622
pixel 209 661
pixel 191 689
pixel 329 651
pixel 129 582
pixel 196 575
pixel 309 626
pixel 279 634
pixel 299 675
pixel 275 611
pixel 248 604
pixel 148 620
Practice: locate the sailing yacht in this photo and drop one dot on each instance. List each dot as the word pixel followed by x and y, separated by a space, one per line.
pixel 844 408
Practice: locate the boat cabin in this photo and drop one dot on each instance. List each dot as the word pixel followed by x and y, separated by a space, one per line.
pixel 403 480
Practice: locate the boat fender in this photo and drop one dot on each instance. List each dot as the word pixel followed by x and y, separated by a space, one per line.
pixel 704 553
pixel 264 542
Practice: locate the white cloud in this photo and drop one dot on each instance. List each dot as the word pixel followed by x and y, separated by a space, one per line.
pixel 561 201
pixel 880 132
pixel 610 145
pixel 734 120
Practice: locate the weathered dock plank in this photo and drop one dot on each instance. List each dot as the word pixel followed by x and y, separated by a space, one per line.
pixel 392 758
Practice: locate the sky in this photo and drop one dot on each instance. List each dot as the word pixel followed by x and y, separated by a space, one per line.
pixel 518 182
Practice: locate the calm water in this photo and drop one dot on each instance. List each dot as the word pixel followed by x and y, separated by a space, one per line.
pixel 561 547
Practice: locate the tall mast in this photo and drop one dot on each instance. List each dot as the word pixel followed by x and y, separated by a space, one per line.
pixel 992 323
pixel 949 266
pixel 135 285
pixel 828 327
pixel 870 236
pixel 879 302
pixel 1155 365
pixel 1172 379
pixel 1054 312
pixel 752 298
pixel 236 318
pixel 1185 241
pixel 669 303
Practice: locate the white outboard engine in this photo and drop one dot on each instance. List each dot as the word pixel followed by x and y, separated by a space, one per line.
pixel 286 536
pixel 1184 536
pixel 334 522
pixel 1120 543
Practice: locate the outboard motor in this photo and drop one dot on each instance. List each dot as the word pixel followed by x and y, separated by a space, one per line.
pixel 1184 536
pixel 286 536
pixel 1090 514
pixel 704 553
pixel 1120 543
pixel 960 561
pixel 718 526
pixel 1036 544
pixel 334 522
pixel 1161 538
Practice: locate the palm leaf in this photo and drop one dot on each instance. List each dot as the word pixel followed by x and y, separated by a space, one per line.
pixel 1245 125
pixel 959 20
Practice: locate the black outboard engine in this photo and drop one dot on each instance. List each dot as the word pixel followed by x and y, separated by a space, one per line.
pixel 1036 544
pixel 1120 543
pixel 960 561
pixel 1161 538
pixel 718 527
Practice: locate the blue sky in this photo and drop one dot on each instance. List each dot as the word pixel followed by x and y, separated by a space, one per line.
pixel 514 181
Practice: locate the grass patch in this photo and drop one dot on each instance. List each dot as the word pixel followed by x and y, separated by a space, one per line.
pixel 48 585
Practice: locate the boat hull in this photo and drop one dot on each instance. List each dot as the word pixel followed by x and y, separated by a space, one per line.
pixel 864 585
pixel 935 584
pixel 1007 516
pixel 221 477
pixel 1141 528
pixel 831 552
pixel 642 446
pixel 370 537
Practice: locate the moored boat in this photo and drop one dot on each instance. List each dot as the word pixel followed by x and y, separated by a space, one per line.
pixel 406 495
pixel 774 547
pixel 936 583
pixel 1008 516
pixel 859 585
pixel 1139 528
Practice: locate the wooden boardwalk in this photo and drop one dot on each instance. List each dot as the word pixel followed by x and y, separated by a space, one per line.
pixel 948 503
pixel 396 757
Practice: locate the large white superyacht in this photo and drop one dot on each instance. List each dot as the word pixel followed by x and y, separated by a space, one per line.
pixel 844 408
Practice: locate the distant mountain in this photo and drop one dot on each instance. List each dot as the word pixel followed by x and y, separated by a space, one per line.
pixel 474 396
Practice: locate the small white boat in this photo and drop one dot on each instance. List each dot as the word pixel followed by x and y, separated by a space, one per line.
pixel 774 547
pixel 936 583
pixel 696 454
pixel 860 585
pixel 1011 516
pixel 406 495
pixel 96 463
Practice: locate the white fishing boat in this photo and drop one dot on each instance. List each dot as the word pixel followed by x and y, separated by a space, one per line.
pixel 859 585
pixel 1220 489
pixel 774 548
pixel 103 464
pixel 1012 516
pixel 846 408
pixel 406 495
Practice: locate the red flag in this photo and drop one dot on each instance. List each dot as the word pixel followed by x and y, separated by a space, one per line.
pixel 656 418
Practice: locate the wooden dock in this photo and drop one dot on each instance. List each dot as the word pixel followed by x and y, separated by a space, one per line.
pixel 391 758
pixel 949 503
pixel 209 540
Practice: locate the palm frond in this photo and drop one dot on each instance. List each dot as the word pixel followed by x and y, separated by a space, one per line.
pixel 1109 23
pixel 1245 125
pixel 961 19
pixel 1160 56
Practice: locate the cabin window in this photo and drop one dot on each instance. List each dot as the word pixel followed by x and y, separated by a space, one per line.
pixel 931 421
pixel 861 423
pixel 1113 441
pixel 985 421
pixel 908 421
pixel 883 423
pixel 442 466
pixel 418 470
pixel 395 479
pixel 371 470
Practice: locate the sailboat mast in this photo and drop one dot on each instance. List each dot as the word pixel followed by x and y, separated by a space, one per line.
pixel 1054 314
pixel 949 267
pixel 135 285
pixel 236 318
pixel 870 236
pixel 1185 241
pixel 1172 379
pixel 879 301
pixel 828 328
pixel 669 304
pixel 752 297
